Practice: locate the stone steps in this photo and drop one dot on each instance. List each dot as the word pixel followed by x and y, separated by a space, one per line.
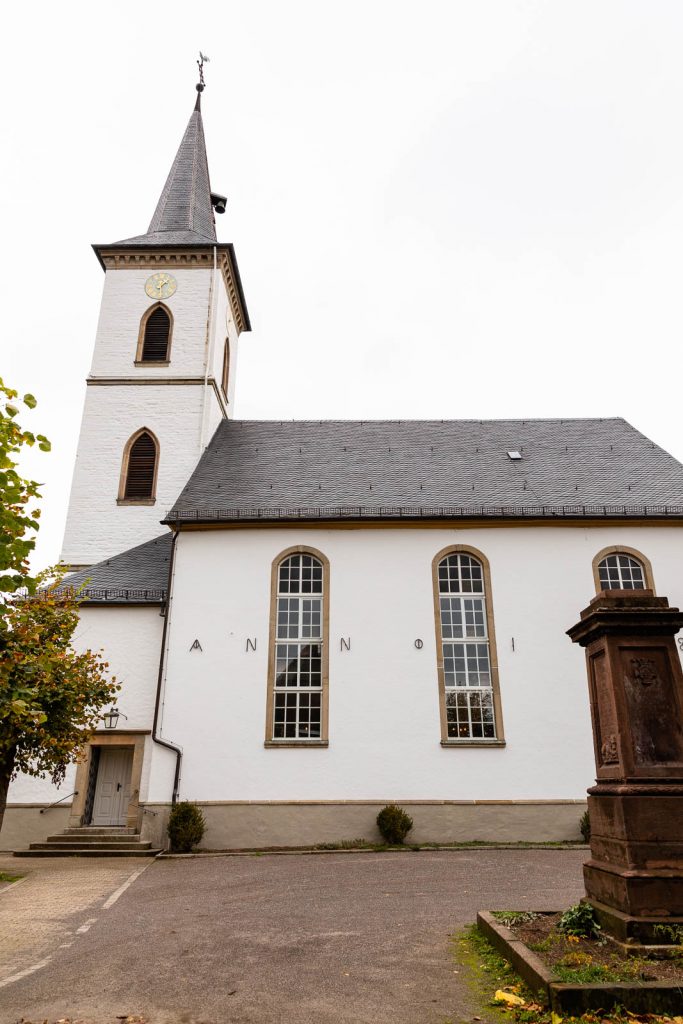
pixel 44 850
pixel 91 830
pixel 91 842
pixel 63 840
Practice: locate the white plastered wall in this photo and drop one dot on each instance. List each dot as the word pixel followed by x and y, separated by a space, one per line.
pixel 384 735
pixel 97 526
pixel 180 410
pixel 131 641
pixel 224 329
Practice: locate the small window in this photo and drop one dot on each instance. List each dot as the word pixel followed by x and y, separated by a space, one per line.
pixel 297 699
pixel 225 379
pixel 140 468
pixel 620 571
pixel 467 671
pixel 155 337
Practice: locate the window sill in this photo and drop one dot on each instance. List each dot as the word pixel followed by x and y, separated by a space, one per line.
pixel 136 501
pixel 151 362
pixel 473 743
pixel 296 743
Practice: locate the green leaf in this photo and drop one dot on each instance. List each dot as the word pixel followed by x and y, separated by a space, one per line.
pixel 30 401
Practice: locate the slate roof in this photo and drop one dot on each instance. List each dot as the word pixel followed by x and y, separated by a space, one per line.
pixel 137 576
pixel 184 214
pixel 269 470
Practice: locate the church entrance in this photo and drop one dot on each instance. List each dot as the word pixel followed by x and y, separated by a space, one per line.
pixel 112 786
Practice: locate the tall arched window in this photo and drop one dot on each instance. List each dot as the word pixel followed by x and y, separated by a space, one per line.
pixel 622 569
pixel 468 684
pixel 154 343
pixel 140 467
pixel 297 683
pixel 225 376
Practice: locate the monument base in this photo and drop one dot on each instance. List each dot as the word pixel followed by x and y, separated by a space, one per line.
pixel 649 936
pixel 638 893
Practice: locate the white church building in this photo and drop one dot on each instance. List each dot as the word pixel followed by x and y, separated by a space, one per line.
pixel 310 620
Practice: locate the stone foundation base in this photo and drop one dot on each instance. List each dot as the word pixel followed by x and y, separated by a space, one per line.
pixel 246 825
pixel 258 825
pixel 25 824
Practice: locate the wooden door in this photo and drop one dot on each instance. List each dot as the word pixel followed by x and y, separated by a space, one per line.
pixel 112 789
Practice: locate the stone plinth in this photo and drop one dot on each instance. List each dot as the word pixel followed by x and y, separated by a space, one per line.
pixel 636 808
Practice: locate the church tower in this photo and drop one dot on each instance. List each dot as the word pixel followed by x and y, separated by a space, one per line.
pixel 162 375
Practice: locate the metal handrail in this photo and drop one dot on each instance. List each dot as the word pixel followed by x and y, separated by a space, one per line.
pixel 54 804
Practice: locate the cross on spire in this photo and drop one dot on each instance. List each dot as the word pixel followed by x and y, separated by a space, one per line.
pixel 201 85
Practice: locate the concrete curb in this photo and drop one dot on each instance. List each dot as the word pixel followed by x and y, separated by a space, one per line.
pixel 296 852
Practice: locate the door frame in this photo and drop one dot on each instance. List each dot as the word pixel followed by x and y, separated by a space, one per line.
pixel 124 738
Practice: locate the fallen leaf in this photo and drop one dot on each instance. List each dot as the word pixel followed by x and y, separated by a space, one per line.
pixel 509 998
pixel 555 1018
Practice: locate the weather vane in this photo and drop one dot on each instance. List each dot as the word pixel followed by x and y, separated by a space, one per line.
pixel 203 59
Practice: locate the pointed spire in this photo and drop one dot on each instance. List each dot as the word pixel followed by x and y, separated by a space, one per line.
pixel 184 213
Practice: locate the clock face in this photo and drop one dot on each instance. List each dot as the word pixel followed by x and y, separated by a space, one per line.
pixel 160 286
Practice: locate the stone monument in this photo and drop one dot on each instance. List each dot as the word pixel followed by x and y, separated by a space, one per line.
pixel 634 878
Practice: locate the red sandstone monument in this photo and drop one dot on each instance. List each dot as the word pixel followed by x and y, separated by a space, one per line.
pixel 634 878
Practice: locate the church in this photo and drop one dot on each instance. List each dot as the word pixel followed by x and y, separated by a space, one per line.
pixel 312 619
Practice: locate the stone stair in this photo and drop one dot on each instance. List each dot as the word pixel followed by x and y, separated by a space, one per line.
pixel 91 842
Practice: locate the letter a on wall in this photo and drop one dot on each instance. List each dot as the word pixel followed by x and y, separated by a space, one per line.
pixel 196 646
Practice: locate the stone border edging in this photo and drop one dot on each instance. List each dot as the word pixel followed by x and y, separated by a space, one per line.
pixel 646 997
pixel 306 851
pixel 530 967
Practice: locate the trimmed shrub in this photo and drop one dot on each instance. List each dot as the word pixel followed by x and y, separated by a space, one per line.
pixel 585 827
pixel 394 824
pixel 186 827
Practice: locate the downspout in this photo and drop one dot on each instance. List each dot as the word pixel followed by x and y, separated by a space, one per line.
pixel 178 751
pixel 208 346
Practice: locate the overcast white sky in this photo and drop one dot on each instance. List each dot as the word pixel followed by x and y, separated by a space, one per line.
pixel 468 208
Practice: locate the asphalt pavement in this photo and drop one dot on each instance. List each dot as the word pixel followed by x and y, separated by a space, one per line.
pixel 361 937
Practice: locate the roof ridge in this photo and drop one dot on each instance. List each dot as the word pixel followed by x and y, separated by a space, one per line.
pixel 404 419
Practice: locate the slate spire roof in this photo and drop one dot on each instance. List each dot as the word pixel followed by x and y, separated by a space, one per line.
pixel 184 213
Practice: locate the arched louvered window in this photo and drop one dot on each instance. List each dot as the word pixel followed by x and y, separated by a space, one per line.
pixel 298 677
pixel 140 465
pixel 622 569
pixel 468 684
pixel 225 378
pixel 154 344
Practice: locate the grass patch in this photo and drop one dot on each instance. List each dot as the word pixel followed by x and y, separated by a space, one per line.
pixel 5 877
pixel 345 844
pixel 587 973
pixel 486 965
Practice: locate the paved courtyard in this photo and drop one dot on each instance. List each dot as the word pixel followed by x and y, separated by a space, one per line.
pixel 262 939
